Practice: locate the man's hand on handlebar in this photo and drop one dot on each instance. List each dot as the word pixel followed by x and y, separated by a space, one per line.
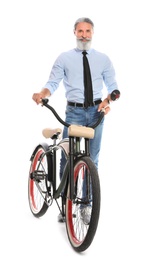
pixel 105 104
pixel 37 97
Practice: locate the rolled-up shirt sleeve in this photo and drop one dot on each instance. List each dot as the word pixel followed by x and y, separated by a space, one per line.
pixel 56 75
pixel 109 76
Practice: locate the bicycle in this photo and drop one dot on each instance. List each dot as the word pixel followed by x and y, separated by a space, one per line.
pixel 79 186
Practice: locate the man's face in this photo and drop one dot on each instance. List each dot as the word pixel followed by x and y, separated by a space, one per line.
pixel 84 33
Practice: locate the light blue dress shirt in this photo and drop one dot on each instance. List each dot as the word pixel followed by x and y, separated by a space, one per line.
pixel 69 68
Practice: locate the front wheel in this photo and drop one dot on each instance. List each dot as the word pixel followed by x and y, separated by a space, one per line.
pixel 38 195
pixel 82 213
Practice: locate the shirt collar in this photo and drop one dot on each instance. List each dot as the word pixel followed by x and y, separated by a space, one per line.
pixel 88 51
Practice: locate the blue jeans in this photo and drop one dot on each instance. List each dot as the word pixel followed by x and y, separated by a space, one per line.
pixel 84 117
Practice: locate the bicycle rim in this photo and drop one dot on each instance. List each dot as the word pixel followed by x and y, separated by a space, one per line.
pixel 37 189
pixel 81 234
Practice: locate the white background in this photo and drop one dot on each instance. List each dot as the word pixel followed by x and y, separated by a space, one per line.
pixel 32 34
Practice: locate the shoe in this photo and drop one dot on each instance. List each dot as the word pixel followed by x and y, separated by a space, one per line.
pixel 85 213
pixel 61 218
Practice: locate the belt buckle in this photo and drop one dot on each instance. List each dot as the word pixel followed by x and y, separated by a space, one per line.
pixel 85 106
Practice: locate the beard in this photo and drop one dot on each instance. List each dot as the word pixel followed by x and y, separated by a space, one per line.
pixel 83 46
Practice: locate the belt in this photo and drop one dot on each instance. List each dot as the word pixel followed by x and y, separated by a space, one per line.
pixel 73 104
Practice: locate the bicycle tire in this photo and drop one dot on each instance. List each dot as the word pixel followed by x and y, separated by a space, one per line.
pixel 37 188
pixel 79 233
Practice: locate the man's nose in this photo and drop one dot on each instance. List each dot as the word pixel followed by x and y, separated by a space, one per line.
pixel 84 34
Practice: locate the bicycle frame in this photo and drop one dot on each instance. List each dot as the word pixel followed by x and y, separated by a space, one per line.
pixel 73 146
pixel 76 134
pixel 74 151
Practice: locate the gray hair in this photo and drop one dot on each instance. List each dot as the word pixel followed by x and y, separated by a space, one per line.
pixel 83 20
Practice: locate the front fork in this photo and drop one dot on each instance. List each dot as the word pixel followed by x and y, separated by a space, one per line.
pixel 74 150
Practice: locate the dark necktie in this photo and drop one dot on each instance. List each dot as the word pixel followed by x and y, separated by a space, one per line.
pixel 87 81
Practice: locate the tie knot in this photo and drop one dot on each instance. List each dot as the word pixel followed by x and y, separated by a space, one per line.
pixel 84 53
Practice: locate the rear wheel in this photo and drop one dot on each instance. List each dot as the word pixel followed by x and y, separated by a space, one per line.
pixel 38 182
pixel 81 228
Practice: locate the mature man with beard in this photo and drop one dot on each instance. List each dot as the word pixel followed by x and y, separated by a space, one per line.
pixel 69 68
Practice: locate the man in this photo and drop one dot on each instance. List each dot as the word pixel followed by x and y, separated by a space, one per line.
pixel 69 68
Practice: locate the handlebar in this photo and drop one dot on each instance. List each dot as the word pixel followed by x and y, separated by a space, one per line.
pixel 115 95
pixel 45 103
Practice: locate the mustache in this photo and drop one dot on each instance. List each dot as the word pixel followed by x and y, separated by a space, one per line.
pixel 84 38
